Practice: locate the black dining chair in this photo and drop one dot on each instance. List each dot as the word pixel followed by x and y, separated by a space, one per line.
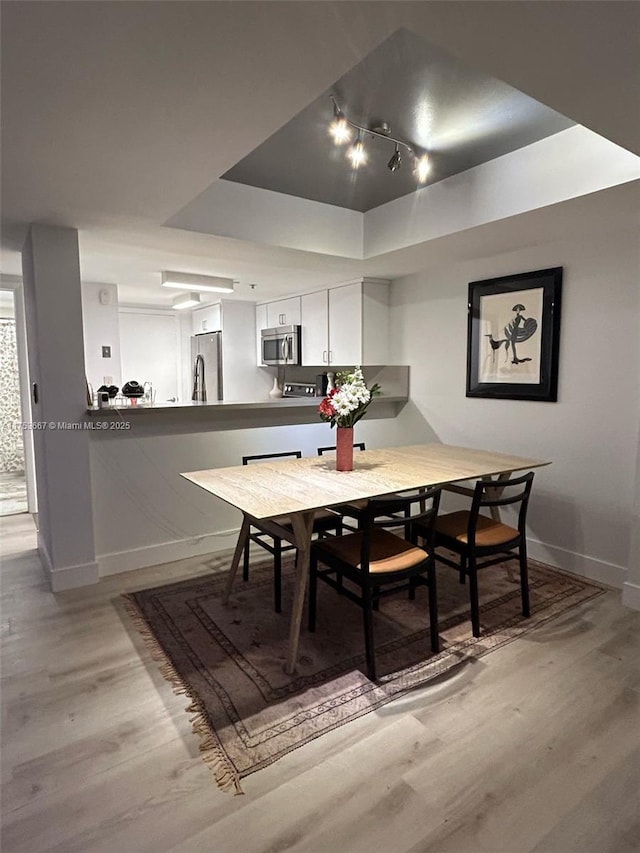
pixel 481 540
pixel 324 522
pixel 355 510
pixel 378 563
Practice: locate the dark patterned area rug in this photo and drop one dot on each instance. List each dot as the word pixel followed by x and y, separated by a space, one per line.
pixel 230 659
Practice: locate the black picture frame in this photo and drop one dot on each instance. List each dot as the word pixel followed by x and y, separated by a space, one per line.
pixel 512 347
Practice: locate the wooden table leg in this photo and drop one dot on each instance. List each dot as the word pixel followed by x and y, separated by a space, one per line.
pixel 240 545
pixel 302 523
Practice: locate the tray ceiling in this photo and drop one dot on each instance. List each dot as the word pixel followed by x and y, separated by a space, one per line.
pixel 462 117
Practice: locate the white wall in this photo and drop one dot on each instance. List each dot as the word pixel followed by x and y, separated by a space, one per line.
pixel 582 505
pixel 631 591
pixel 145 513
pixel 572 163
pixel 53 318
pixel 151 349
pixel 101 328
pixel 236 210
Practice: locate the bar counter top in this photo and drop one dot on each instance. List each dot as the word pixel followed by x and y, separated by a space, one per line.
pixel 278 403
pixel 194 416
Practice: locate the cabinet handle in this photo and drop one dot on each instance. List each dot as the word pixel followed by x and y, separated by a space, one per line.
pixel 330 357
pixel 324 355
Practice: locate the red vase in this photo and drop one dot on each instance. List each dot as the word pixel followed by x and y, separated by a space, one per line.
pixel 344 449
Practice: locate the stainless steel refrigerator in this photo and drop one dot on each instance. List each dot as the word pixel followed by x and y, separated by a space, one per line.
pixel 206 366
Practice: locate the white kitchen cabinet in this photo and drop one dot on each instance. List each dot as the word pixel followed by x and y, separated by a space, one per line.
pixel 315 327
pixel 283 312
pixel 242 381
pixel 261 323
pixel 206 319
pixel 346 325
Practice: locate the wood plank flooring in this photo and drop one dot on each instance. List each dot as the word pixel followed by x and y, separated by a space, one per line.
pixel 533 749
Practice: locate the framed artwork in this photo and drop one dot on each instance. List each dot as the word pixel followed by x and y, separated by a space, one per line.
pixel 513 336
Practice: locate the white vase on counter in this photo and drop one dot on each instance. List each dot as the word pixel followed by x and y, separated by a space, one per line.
pixel 276 391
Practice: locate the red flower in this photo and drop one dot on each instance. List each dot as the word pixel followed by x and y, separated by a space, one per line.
pixel 325 408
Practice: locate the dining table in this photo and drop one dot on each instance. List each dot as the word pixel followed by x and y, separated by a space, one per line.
pixel 297 488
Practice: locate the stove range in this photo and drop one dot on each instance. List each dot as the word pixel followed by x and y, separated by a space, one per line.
pixel 299 389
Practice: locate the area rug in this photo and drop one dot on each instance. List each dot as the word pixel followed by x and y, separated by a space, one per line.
pixel 230 659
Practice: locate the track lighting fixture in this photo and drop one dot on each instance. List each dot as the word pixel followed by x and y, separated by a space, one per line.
pixel 396 160
pixel 341 130
pixel 357 153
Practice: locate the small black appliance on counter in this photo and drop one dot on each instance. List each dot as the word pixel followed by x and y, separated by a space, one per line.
pixel 321 385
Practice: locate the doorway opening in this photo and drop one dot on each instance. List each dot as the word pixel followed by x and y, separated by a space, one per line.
pixel 13 480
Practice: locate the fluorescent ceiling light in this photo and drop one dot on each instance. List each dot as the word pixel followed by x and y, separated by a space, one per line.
pixel 186 300
pixel 193 282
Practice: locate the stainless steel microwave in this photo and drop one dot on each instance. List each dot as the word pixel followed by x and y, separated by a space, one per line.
pixel 281 345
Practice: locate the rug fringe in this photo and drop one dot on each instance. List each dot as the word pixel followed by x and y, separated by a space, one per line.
pixel 213 754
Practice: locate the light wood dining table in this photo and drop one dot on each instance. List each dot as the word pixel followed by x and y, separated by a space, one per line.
pixel 298 487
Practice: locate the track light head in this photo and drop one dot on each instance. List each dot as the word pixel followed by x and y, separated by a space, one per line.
pixel 357 154
pixel 339 127
pixel 423 167
pixel 395 162
pixel 340 131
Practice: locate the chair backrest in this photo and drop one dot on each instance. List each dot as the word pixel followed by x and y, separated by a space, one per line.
pixel 260 457
pixel 487 493
pixel 359 445
pixel 400 511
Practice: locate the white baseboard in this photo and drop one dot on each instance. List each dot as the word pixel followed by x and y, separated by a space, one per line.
pixel 631 595
pixel 66 577
pixel 166 552
pixel 72 577
pixel 588 567
pixel 180 549
pixel 43 553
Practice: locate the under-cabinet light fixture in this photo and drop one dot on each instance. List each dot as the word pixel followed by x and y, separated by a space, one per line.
pixel 341 130
pixel 186 300
pixel 196 283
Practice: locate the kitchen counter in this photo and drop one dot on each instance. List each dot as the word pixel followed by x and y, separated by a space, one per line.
pixel 192 417
pixel 278 403
pixel 163 418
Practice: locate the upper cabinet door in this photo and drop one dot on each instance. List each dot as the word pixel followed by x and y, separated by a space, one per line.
pixel 261 323
pixel 345 325
pixel 284 312
pixel 206 319
pixel 315 328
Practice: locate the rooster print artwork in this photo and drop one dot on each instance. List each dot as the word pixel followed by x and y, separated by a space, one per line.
pixel 511 336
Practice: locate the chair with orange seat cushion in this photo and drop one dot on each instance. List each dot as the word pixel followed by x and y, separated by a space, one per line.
pixel 484 541
pixel 377 562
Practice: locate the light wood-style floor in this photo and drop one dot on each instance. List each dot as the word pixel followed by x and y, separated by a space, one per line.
pixel 534 748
